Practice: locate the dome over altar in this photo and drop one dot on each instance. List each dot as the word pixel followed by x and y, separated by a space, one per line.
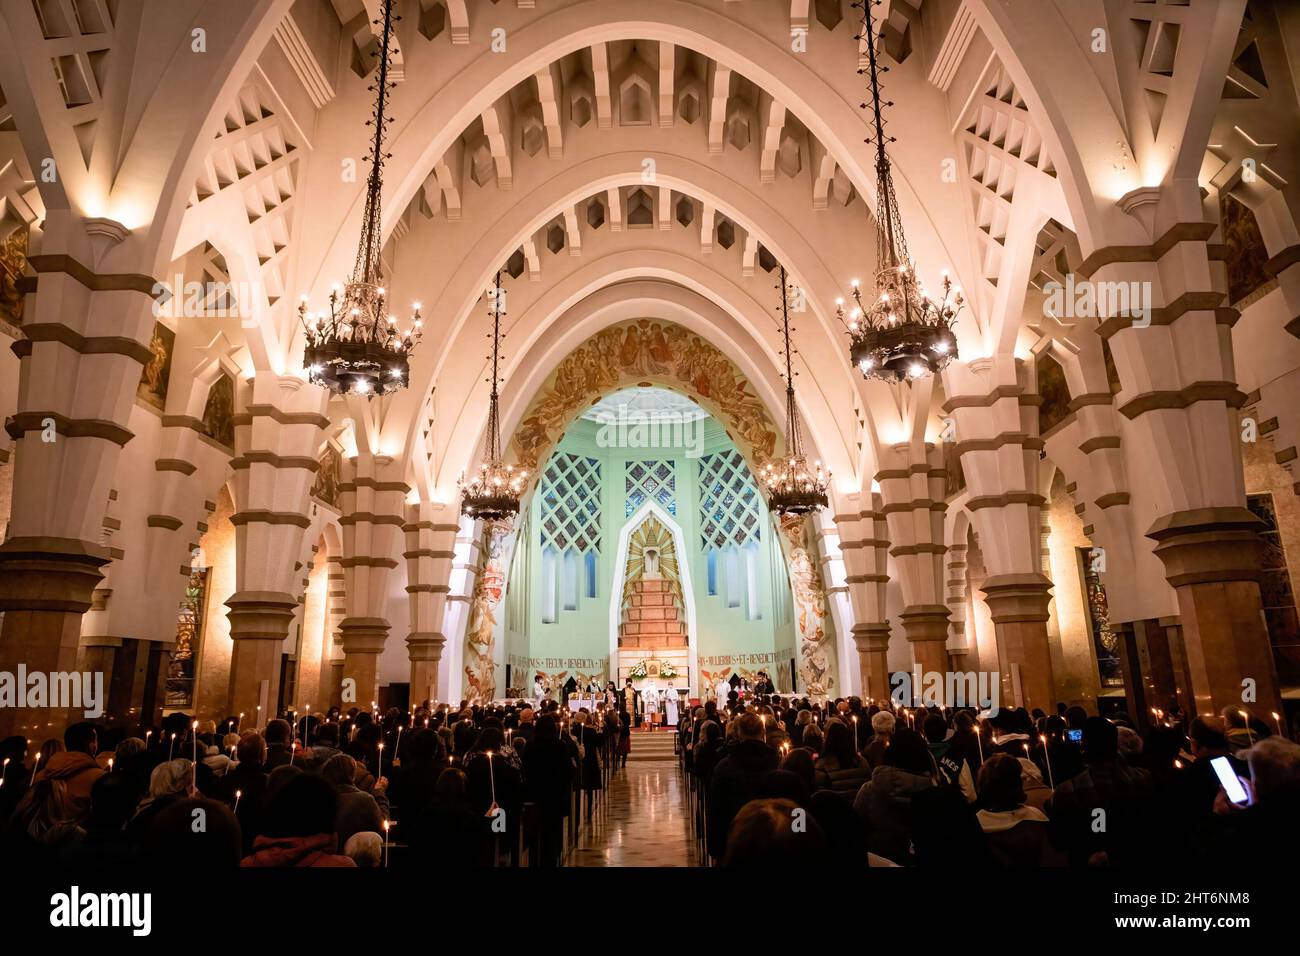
pixel 647 401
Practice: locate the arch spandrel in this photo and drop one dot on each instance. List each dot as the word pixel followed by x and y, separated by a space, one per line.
pixel 653 352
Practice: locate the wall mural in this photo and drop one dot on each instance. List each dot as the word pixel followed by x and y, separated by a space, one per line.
pixel 810 609
pixel 480 636
pixel 157 371
pixel 633 353
pixel 13 258
pixel 1247 253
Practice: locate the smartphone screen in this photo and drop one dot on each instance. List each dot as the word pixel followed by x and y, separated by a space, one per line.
pixel 1229 781
pixel 1074 736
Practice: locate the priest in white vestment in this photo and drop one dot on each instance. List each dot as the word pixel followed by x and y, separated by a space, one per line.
pixel 650 703
pixel 670 705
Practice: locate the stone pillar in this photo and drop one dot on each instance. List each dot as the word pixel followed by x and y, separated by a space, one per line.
pixel 912 491
pixel 80 362
pixel 374 514
pixel 1212 559
pixel 331 656
pixel 962 652
pixel 863 546
pixel 1180 399
pixel 995 416
pixel 430 549
pixel 276 437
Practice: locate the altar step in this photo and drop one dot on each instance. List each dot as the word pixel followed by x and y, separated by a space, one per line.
pixel 651 619
pixel 656 746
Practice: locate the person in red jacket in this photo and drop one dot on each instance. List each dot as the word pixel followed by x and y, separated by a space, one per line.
pixel 300 827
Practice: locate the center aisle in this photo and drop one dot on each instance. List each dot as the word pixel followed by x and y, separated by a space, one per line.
pixel 646 816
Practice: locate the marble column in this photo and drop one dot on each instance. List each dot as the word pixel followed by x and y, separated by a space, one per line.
pixel 276 438
pixel 864 543
pixel 995 413
pixel 430 549
pixel 80 361
pixel 373 499
pixel 912 481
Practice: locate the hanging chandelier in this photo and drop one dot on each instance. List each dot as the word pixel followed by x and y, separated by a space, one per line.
pixel 903 332
pixel 355 347
pixel 493 493
pixel 793 487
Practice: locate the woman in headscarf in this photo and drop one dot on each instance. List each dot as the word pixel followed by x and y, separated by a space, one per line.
pixel 170 782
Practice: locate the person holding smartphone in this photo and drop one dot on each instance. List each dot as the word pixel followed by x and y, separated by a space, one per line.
pixel 1258 819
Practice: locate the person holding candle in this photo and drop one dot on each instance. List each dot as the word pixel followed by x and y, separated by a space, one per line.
pixel 840 768
pixel 737 779
pixel 1017 833
pixel 300 827
pixel 249 779
pixel 883 725
pixel 73 770
pixel 885 801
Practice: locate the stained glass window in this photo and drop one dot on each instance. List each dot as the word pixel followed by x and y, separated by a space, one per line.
pixel 730 512
pixel 650 481
pixel 1104 640
pixel 185 652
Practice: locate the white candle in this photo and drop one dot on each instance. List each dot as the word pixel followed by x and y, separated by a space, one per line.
pixel 35 767
pixel 194 736
pixel 381 762
pixel 1047 755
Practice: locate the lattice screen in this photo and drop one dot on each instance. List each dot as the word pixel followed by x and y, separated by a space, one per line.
pixel 570 514
pixel 646 480
pixel 730 505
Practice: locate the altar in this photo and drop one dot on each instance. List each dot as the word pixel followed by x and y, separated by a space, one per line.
pixel 578 701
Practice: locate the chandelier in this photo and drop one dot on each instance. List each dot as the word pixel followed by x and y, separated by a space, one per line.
pixel 355 347
pixel 493 493
pixel 793 488
pixel 904 332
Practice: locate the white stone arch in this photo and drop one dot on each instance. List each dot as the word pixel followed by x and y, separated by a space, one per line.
pixel 472 272
pixel 651 508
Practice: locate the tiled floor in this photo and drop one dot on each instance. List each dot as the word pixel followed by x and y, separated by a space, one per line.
pixel 645 822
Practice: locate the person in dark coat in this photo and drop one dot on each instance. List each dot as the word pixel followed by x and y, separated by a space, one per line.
pixel 737 779
pixel 358 811
pixel 708 752
pixel 423 761
pixel 494 778
pixel 244 788
pixel 278 744
pixel 548 783
pixel 300 827
pixel 1107 783
pixel 448 835
pixel 591 739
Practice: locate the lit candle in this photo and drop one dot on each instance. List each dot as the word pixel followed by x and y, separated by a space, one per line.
pixel 385 847
pixel 171 746
pixel 146 739
pixel 110 768
pixel 381 762
pixel 397 747
pixel 238 794
pixel 35 767
pixel 1250 737
pixel 1047 755
pixel 492 784
pixel 194 736
pixel 293 749
pixel 1278 720
pixel 855 731
pixel 979 739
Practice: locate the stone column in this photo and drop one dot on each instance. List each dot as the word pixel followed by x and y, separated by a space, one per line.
pixel 995 415
pixel 1212 559
pixel 863 545
pixel 331 657
pixel 430 548
pixel 86 340
pixel 912 491
pixel 1179 406
pixel 374 513
pixel 276 438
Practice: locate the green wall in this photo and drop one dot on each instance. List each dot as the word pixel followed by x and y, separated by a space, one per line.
pixel 558 619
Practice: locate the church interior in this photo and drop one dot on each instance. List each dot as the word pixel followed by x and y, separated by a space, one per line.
pixel 370 362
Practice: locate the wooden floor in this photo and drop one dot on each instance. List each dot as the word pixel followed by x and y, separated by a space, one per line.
pixel 645 820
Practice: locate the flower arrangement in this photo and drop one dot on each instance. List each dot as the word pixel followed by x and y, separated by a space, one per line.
pixel 640 670
pixel 667 671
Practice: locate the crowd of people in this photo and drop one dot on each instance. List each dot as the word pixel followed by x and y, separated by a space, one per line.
pixel 436 786
pixel 787 781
